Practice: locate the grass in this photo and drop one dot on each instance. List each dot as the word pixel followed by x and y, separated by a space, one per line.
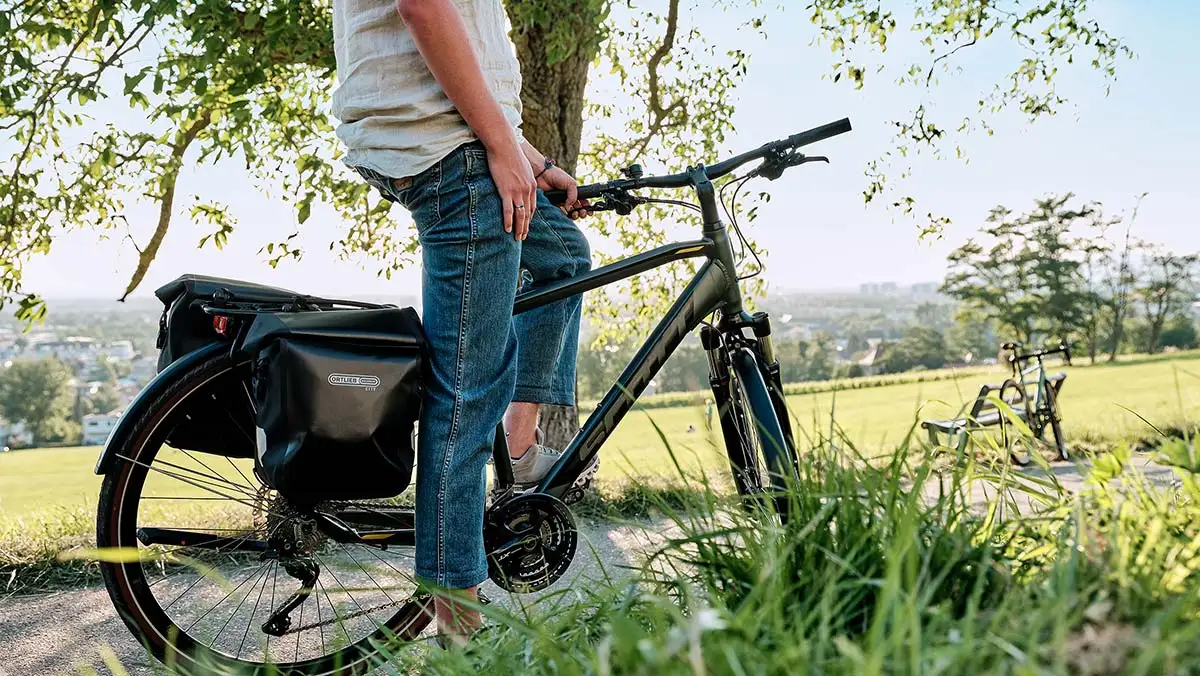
pixel 1097 402
pixel 48 496
pixel 870 576
pixel 888 563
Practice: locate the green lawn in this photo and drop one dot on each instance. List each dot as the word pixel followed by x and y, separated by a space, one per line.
pixel 1094 400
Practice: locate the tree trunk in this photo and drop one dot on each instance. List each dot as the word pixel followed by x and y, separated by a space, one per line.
pixel 552 121
pixel 1118 331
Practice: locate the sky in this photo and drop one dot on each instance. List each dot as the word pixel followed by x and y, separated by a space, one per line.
pixel 1140 138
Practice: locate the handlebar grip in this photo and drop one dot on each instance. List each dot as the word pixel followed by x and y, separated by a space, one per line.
pixel 586 192
pixel 820 133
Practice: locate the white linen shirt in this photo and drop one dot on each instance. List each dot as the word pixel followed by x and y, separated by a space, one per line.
pixel 394 117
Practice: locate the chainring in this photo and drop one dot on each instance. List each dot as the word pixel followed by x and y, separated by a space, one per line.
pixel 530 541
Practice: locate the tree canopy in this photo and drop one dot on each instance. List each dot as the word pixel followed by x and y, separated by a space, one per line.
pixel 209 81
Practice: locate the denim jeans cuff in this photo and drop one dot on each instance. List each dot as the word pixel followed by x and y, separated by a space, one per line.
pixel 543 395
pixel 453 580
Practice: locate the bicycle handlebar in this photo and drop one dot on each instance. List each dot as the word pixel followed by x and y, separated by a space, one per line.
pixel 1062 348
pixel 684 179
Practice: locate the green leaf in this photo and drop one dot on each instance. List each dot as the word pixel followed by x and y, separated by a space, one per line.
pixel 201 86
pixel 305 209
pixel 132 81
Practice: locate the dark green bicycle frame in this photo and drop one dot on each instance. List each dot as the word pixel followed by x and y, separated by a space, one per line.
pixel 714 288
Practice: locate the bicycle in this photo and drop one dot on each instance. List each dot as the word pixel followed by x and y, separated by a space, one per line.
pixel 1042 412
pixel 165 584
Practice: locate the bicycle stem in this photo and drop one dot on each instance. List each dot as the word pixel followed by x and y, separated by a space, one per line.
pixel 714 229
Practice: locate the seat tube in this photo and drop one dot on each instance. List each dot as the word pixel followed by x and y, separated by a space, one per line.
pixel 714 229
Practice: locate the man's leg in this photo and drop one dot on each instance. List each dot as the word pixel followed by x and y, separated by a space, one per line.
pixel 470 276
pixel 548 336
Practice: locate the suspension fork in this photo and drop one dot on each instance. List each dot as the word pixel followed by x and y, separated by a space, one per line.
pixel 714 344
pixel 761 327
pixel 725 409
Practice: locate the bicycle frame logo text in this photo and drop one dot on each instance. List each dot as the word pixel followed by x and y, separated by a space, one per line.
pixel 353 380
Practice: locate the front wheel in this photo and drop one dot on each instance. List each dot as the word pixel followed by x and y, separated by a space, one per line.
pixel 1017 447
pixel 1051 412
pixel 760 457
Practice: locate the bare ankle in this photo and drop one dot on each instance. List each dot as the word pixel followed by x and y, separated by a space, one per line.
pixel 520 423
pixel 457 620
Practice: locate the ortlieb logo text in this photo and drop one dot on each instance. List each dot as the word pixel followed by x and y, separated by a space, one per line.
pixel 353 380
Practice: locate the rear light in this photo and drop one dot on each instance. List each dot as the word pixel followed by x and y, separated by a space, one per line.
pixel 220 324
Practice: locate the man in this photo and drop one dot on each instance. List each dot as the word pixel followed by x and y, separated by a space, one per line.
pixel 430 111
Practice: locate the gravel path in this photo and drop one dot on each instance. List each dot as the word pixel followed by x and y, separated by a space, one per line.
pixel 69 631
pixel 66 632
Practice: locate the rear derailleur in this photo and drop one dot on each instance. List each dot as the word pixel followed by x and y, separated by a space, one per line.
pixel 295 553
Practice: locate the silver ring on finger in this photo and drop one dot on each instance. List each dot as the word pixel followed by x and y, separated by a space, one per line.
pixel 520 206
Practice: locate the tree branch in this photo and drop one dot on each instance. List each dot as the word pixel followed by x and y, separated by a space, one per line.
pixel 658 113
pixel 166 201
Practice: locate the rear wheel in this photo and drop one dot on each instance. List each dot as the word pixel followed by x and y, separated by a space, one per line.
pixel 760 458
pixel 210 608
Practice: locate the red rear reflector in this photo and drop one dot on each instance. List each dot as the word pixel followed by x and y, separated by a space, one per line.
pixel 220 324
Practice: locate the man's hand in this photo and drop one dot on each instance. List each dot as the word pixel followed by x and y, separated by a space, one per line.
pixel 439 32
pixel 518 191
pixel 555 178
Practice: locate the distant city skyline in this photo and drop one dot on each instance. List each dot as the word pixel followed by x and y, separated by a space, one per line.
pixel 1141 138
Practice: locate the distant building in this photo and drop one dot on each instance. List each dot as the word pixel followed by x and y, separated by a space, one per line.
pixel 121 350
pixel 924 289
pixel 75 347
pixel 97 427
pixel 15 435
pixel 143 369
pixel 869 362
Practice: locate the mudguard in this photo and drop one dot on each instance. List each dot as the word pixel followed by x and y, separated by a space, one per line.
pixel 141 403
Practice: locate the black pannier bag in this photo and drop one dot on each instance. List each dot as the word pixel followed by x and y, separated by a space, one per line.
pixel 338 394
pixel 184 326
pixel 218 418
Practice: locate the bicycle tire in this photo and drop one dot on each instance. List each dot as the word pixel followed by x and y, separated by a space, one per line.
pixel 1013 394
pixel 1055 419
pixel 130 589
pixel 769 462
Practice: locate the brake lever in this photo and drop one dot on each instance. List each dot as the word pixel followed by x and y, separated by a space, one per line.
pixel 622 202
pixel 805 159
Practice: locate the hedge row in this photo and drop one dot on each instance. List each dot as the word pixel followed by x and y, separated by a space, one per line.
pixel 673 399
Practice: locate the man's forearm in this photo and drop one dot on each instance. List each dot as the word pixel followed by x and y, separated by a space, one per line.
pixel 536 159
pixel 442 39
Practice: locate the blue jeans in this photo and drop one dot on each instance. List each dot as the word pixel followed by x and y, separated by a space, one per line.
pixel 482 357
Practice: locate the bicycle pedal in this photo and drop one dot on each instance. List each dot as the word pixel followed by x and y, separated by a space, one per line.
pixel 582 483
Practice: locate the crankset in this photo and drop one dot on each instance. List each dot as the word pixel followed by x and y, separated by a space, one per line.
pixel 530 541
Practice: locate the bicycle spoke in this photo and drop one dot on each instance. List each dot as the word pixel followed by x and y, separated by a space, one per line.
pixel 336 614
pixel 231 593
pixel 248 485
pixel 386 563
pixel 214 478
pixel 183 593
pixel 239 606
pixel 346 589
pixel 254 612
pixel 201 487
pixel 367 573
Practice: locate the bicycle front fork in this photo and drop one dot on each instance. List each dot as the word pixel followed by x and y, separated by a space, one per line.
pixel 718 342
